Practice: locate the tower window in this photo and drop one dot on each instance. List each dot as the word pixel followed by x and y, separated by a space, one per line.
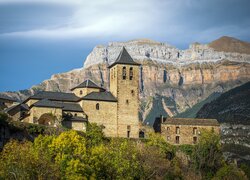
pixel 177 131
pixel 177 139
pixel 194 131
pixel 80 92
pixel 97 106
pixel 194 140
pixel 132 92
pixel 127 101
pixel 124 73
pixel 130 73
pixel 128 131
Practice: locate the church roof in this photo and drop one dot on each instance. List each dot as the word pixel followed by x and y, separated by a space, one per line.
pixel 47 103
pixel 124 58
pixel 100 96
pixel 56 96
pixel 87 84
pixel 75 107
pixel 4 97
pixel 191 121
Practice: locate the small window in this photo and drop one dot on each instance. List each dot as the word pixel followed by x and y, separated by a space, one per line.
pixel 128 134
pixel 177 130
pixel 128 127
pixel 168 128
pixel 141 134
pixel 97 106
pixel 75 114
pixel 124 73
pixel 127 101
pixel 80 92
pixel 132 92
pixel 195 131
pixel 168 138
pixel 177 139
pixel 195 140
pixel 130 73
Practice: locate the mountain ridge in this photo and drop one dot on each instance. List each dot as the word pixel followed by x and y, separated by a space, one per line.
pixel 185 78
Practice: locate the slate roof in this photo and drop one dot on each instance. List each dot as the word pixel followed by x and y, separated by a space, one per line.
pixel 47 103
pixel 7 98
pixel 23 107
pixel 192 121
pixel 124 58
pixel 56 96
pixel 87 84
pixel 100 96
pixel 75 107
pixel 77 118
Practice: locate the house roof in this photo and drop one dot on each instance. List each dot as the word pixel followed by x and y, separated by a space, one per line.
pixel 124 58
pixel 100 96
pixel 56 96
pixel 4 97
pixel 75 107
pixel 191 121
pixel 87 84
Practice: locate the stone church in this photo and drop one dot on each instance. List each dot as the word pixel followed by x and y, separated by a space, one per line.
pixel 116 110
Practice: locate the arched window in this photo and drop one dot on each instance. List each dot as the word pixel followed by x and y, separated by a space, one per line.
pixel 130 73
pixel 124 73
pixel 97 106
pixel 80 92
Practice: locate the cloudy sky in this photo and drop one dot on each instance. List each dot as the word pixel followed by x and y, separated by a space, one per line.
pixel 39 38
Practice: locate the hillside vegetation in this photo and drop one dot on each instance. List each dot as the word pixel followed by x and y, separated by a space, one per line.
pixel 231 107
pixel 90 155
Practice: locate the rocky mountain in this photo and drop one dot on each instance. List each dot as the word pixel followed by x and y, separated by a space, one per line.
pixel 171 79
pixel 231 107
pixel 232 110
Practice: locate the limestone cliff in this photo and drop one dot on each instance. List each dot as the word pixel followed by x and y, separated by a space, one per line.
pixel 171 79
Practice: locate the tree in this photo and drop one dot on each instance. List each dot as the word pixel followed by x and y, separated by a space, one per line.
pixel 69 152
pixel 207 155
pixel 230 172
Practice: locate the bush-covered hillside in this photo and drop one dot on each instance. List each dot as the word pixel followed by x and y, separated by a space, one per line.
pixel 232 106
pixel 78 155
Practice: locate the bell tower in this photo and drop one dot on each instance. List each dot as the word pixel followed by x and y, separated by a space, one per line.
pixel 124 85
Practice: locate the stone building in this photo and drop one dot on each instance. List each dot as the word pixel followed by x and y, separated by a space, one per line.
pixel 117 110
pixel 6 102
pixel 184 130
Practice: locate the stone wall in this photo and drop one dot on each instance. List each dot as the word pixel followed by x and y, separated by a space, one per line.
pixel 85 91
pixel 76 125
pixel 37 112
pixel 186 133
pixel 106 115
pixel 127 93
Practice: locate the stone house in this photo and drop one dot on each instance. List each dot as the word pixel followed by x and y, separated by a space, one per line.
pixel 179 131
pixel 117 110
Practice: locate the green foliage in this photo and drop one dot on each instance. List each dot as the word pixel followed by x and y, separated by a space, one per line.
pixel 246 169
pixel 157 140
pixel 207 154
pixel 78 155
pixel 186 148
pixel 230 172
pixel 94 135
